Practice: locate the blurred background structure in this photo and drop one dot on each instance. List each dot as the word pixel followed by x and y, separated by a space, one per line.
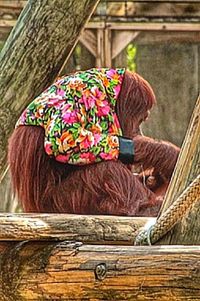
pixel 158 39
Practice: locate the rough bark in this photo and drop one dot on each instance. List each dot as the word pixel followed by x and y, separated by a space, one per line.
pixel 44 36
pixel 69 271
pixel 88 229
pixel 188 167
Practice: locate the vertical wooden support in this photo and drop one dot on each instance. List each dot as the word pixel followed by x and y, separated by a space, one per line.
pixel 100 47
pixel 121 39
pixel 107 47
pixel 188 167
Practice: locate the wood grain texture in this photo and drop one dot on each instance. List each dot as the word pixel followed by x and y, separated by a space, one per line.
pixel 71 271
pixel 43 38
pixel 188 167
pixel 84 228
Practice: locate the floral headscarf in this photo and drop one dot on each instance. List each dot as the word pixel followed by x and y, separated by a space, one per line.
pixel 78 115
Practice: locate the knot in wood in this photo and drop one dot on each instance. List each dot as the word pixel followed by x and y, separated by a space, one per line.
pixel 100 271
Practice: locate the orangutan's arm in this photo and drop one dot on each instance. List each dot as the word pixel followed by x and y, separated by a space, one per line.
pixel 160 155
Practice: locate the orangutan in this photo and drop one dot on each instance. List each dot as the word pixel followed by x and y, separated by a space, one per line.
pixel 74 147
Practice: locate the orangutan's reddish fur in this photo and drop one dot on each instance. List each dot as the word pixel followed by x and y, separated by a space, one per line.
pixel 45 185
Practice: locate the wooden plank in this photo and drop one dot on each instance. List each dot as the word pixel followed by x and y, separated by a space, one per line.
pixel 90 229
pixel 69 271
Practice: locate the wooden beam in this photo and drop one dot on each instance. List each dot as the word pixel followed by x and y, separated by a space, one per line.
pixel 121 39
pixel 149 26
pixel 69 271
pixel 89 40
pixel 186 170
pixel 90 229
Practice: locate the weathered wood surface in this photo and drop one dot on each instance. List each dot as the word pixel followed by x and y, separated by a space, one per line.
pixel 84 228
pixel 69 271
pixel 43 38
pixel 187 169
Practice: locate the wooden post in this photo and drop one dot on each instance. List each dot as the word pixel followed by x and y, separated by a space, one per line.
pixel 107 47
pixel 71 271
pixel 100 46
pixel 188 167
pixel 44 36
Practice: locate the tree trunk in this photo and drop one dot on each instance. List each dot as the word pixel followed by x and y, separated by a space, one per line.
pixel 39 44
pixel 187 169
pixel 84 228
pixel 70 271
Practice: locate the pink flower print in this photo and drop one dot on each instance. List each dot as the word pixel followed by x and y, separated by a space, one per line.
pixel 70 117
pixel 103 109
pixel 86 143
pixel 61 92
pixel 86 139
pixel 112 155
pixel 97 94
pixel 63 158
pixel 117 90
pixel 56 102
pixel 97 138
pixel 88 102
pixel 22 119
pixel 47 147
pixel 105 156
pixel 88 157
pixel 115 126
pixel 111 73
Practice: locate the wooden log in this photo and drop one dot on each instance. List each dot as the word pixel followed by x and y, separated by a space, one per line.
pixel 187 169
pixel 69 271
pixel 43 38
pixel 84 228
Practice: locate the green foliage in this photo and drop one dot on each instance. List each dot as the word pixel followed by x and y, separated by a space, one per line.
pixel 77 56
pixel 131 51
